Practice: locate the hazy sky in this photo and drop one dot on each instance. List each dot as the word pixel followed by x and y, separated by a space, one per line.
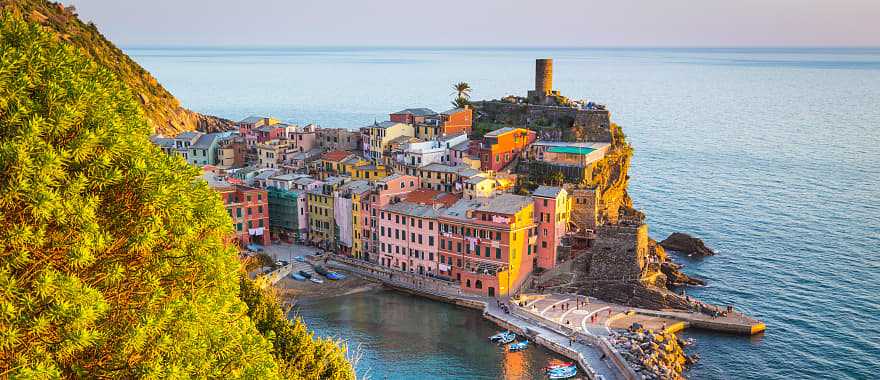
pixel 487 22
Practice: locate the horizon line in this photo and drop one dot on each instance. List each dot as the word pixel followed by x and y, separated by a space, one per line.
pixel 499 47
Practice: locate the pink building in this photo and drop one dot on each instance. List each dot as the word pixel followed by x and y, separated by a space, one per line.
pixel 408 234
pixel 303 139
pixel 386 189
pixel 552 214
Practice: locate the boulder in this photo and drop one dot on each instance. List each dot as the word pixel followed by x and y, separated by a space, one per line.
pixel 686 244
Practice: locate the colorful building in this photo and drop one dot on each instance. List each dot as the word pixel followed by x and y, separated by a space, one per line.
pixel 412 115
pixel 553 214
pixel 408 235
pixel 322 217
pixel 248 207
pixel 445 177
pixel 377 137
pixel 488 244
pixel 384 191
pixel 502 146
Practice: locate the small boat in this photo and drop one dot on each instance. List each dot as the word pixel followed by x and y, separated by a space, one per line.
pixel 298 277
pixel 498 336
pixel 509 338
pixel 334 276
pixel 321 270
pixel 316 280
pixel 563 373
pixel 301 259
pixel 518 346
pixel 557 366
pixel 305 274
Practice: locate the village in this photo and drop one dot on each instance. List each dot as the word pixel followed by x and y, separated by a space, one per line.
pixel 439 204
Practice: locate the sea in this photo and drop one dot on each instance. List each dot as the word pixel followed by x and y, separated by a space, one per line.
pixel 772 156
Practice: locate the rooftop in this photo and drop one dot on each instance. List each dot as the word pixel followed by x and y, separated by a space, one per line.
pixel 413 209
pixel 336 155
pixel 430 196
pixel 188 135
pixel 356 187
pixel 251 119
pixel 547 191
pixel 385 124
pixel 205 141
pixel 462 146
pixel 416 112
pixel 452 111
pixel 506 204
pixel 500 131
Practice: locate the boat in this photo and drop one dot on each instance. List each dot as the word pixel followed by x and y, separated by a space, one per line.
pixel 321 270
pixel 558 365
pixel 518 346
pixel 334 276
pixel 305 274
pixel 298 277
pixel 301 259
pixel 563 373
pixel 510 337
pixel 316 280
pixel 498 336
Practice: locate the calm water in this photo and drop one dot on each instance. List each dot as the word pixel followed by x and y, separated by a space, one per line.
pixel 771 156
pixel 405 337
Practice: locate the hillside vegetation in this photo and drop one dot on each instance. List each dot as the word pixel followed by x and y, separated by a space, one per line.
pixel 162 110
pixel 115 259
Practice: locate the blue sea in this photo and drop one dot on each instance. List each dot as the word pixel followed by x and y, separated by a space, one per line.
pixel 772 156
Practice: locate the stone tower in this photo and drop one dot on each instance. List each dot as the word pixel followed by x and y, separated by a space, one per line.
pixel 543 76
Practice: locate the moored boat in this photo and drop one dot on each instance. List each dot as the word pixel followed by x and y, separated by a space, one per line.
pixel 498 336
pixel 305 274
pixel 298 277
pixel 563 373
pixel 557 365
pixel 518 346
pixel 316 280
pixel 510 337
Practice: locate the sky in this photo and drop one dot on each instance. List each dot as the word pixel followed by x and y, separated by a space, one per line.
pixel 503 23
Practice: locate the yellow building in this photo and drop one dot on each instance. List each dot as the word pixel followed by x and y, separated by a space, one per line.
pixel 357 191
pixel 378 136
pixel 322 224
pixel 367 171
pixel 479 186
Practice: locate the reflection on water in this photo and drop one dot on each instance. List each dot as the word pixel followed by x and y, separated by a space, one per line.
pixel 406 337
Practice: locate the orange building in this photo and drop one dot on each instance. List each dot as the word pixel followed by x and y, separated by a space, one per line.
pixel 502 146
pixel 487 245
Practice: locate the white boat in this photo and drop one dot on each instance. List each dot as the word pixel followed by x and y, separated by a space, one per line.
pixel 563 373
pixel 510 337
pixel 316 280
pixel 518 346
pixel 498 336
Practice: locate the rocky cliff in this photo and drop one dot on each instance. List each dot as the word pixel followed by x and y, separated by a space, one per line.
pixel 162 110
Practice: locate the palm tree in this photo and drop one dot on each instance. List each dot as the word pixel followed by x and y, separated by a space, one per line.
pixel 462 89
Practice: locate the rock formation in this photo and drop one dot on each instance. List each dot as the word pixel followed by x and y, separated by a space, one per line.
pixel 686 244
pixel 654 355
pixel 162 110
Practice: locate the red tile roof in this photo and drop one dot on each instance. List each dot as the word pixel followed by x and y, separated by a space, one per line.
pixel 430 196
pixel 335 155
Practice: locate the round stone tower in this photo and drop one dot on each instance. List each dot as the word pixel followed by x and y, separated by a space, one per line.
pixel 543 76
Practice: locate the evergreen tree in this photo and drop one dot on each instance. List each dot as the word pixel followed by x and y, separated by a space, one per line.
pixel 115 259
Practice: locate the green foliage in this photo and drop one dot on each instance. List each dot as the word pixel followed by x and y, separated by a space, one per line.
pixel 161 109
pixel 306 357
pixel 115 259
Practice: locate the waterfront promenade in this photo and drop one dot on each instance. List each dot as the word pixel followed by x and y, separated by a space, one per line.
pixel 595 356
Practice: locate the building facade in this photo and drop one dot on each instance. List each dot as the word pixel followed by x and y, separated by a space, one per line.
pixel 553 214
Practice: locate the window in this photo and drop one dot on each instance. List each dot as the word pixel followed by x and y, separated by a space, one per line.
pixel 382 230
pixel 420 223
pixel 238 227
pixel 412 237
pixel 543 244
pixel 430 241
pixel 497 253
pixel 498 235
pixel 430 226
pixel 238 212
pixel 259 209
pixel 430 256
pixel 420 239
pixel 250 224
pixel 458 248
pixel 250 211
pixel 442 243
pixel 261 223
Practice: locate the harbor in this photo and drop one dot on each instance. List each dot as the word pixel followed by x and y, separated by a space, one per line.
pixel 581 329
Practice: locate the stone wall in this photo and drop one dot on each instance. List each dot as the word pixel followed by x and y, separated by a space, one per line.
pixel 551 122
